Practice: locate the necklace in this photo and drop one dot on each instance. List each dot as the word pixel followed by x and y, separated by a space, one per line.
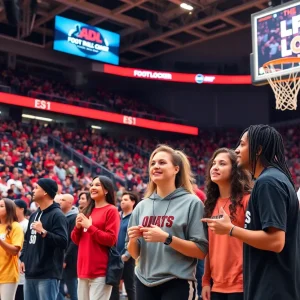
pixel 166 210
pixel 220 215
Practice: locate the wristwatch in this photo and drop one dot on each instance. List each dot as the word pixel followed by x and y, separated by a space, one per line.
pixel 168 240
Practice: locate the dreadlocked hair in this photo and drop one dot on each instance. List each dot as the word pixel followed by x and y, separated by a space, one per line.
pixel 266 144
pixel 240 182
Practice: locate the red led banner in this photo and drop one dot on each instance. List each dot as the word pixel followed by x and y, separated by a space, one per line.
pixel 95 114
pixel 176 77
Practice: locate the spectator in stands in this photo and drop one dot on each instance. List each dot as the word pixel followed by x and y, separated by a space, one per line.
pixel 70 259
pixel 15 184
pixel 59 170
pixel 72 170
pixel 43 253
pixel 83 201
pixel 3 186
pixel 96 230
pixel 128 203
pixel 11 195
pixel 11 242
pixel 158 234
pixel 271 235
pixel 21 211
pixel 227 187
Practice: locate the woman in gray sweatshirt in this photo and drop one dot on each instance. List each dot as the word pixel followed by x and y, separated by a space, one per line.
pixel 165 230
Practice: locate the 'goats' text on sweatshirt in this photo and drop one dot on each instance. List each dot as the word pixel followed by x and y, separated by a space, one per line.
pixel 179 214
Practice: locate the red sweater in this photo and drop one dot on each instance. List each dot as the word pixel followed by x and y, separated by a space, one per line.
pixel 93 244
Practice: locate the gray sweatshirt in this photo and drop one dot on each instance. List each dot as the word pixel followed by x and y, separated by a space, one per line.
pixel 179 214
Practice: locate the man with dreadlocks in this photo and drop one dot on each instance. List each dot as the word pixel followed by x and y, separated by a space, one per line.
pixel 272 225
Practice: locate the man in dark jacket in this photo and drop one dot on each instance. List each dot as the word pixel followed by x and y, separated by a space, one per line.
pixel 70 263
pixel 45 240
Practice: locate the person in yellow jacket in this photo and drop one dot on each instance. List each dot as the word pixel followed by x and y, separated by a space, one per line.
pixel 11 242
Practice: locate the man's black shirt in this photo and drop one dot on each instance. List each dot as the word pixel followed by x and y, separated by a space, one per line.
pixel 269 275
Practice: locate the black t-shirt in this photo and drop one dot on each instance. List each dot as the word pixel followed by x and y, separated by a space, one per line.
pixel 269 275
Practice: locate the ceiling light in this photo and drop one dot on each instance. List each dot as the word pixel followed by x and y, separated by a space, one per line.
pixel 96 127
pixel 36 118
pixel 186 6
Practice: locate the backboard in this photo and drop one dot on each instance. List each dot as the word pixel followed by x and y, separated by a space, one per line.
pixel 275 35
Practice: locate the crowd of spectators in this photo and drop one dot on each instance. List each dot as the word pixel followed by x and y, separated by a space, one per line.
pixel 26 156
pixel 62 91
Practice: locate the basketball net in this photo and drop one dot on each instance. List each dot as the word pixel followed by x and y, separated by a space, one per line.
pixel 285 87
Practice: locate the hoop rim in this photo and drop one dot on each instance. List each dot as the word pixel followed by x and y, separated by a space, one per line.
pixel 284 60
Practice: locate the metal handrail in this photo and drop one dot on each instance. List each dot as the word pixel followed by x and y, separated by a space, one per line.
pixel 66 101
pixel 5 89
pixel 91 165
pixel 127 111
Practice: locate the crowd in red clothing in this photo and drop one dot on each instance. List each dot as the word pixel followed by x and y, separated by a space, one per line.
pixel 25 157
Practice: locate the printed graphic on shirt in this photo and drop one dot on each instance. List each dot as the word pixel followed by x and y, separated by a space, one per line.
pixel 160 221
pixel 247 219
pixel 32 238
pixel 3 236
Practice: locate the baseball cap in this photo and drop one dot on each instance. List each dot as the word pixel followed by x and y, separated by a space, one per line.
pixel 21 204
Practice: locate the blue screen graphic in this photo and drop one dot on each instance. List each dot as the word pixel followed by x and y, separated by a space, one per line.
pixel 87 41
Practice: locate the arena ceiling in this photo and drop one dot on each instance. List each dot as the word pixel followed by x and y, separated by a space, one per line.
pixel 148 28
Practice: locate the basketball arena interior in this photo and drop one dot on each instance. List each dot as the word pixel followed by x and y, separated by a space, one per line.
pixel 90 88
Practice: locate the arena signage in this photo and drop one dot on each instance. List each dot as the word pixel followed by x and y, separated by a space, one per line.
pixel 173 76
pixel 67 109
pixel 84 40
pixel 152 75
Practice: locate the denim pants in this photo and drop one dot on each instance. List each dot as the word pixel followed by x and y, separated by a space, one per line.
pixel 71 286
pixel 41 289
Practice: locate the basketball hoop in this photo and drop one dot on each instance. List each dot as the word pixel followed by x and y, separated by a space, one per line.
pixel 285 87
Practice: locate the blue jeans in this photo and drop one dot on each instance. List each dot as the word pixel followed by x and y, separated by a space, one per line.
pixel 199 274
pixel 41 289
pixel 72 289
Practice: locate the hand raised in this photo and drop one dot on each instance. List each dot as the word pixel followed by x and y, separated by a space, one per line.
pixel 219 226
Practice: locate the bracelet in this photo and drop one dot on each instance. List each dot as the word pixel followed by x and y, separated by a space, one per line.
pixel 230 232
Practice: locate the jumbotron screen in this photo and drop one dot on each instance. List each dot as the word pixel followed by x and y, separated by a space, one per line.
pixel 275 34
pixel 87 41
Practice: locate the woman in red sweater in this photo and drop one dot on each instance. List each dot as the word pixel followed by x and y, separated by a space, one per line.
pixel 95 232
pixel 228 188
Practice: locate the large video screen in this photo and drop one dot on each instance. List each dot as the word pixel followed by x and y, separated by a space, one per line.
pixel 87 41
pixel 275 34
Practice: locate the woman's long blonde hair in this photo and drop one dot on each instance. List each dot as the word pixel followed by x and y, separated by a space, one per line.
pixel 184 178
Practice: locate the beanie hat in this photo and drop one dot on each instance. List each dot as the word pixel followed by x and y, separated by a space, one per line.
pixel 49 186
pixel 21 204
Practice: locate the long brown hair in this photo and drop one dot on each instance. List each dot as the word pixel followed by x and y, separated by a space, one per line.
pixel 184 178
pixel 107 184
pixel 240 185
pixel 11 215
pixel 88 199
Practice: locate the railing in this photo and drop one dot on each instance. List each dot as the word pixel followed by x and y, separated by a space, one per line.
pixel 43 96
pixel 135 149
pixel 88 164
pixel 5 89
pixel 130 112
